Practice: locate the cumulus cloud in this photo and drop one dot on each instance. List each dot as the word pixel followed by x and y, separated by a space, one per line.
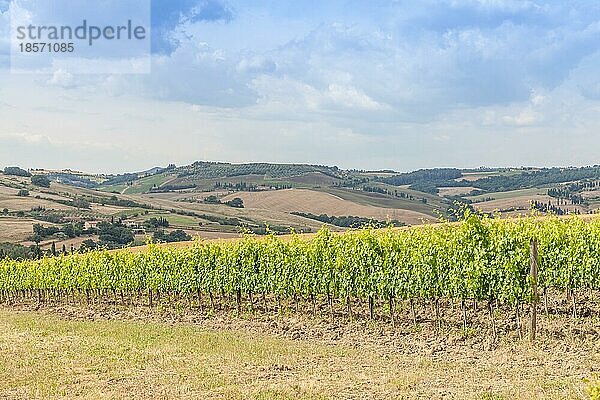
pixel 171 17
pixel 407 82
pixel 29 138
pixel 62 78
pixel 523 118
pixel 256 64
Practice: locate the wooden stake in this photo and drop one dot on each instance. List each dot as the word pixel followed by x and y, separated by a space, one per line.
pixel 264 299
pixel 212 301
pixel 391 304
pixel 438 321
pixel 518 321
pixel 414 314
pixel 534 282
pixel 349 305
pixel 199 297
pixel 464 313
pixel 491 310
pixel 251 300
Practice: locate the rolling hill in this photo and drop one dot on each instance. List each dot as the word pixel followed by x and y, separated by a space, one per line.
pixel 219 200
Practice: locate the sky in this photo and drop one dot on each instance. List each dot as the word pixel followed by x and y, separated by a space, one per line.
pixel 370 85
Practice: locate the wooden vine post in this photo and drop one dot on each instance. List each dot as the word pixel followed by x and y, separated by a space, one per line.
pixel 534 281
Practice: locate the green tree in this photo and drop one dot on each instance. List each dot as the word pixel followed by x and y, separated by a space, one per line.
pixel 212 199
pixel 236 203
pixel 40 180
pixel 16 171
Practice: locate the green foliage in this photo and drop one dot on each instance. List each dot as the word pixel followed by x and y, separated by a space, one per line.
pixel 40 180
pixel 115 201
pixel 208 170
pixel 71 230
pixel 429 180
pixel 347 221
pixel 76 202
pixel 212 199
pixel 114 234
pixel 426 187
pixel 480 258
pixel 424 175
pixel 86 245
pixel 174 236
pixel 545 176
pixel 123 178
pixel 594 391
pixel 154 223
pixel 23 193
pixel 15 251
pixel 16 171
pixel 43 231
pixel 235 202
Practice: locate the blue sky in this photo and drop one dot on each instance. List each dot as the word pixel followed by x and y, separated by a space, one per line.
pixel 381 84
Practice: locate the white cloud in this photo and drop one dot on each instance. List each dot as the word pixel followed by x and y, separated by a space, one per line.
pixel 352 98
pixel 62 78
pixel 400 86
pixel 538 99
pixel 523 118
pixel 504 5
pixel 27 137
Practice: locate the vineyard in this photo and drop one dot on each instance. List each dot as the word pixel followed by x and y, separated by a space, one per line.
pixel 366 273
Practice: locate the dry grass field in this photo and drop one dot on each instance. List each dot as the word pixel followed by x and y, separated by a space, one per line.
pixel 522 204
pixel 311 201
pixel 455 191
pixel 270 216
pixel 75 242
pixel 314 178
pixel 15 203
pixel 16 230
pixel 87 353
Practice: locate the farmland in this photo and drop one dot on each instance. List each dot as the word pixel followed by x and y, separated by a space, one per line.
pixel 194 198
pixel 428 312
pixel 384 313
pixel 304 200
pixel 478 260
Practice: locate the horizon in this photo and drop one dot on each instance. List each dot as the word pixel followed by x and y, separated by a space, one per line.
pixel 462 168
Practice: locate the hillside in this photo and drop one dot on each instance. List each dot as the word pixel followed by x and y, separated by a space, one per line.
pixel 220 200
pixel 317 202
